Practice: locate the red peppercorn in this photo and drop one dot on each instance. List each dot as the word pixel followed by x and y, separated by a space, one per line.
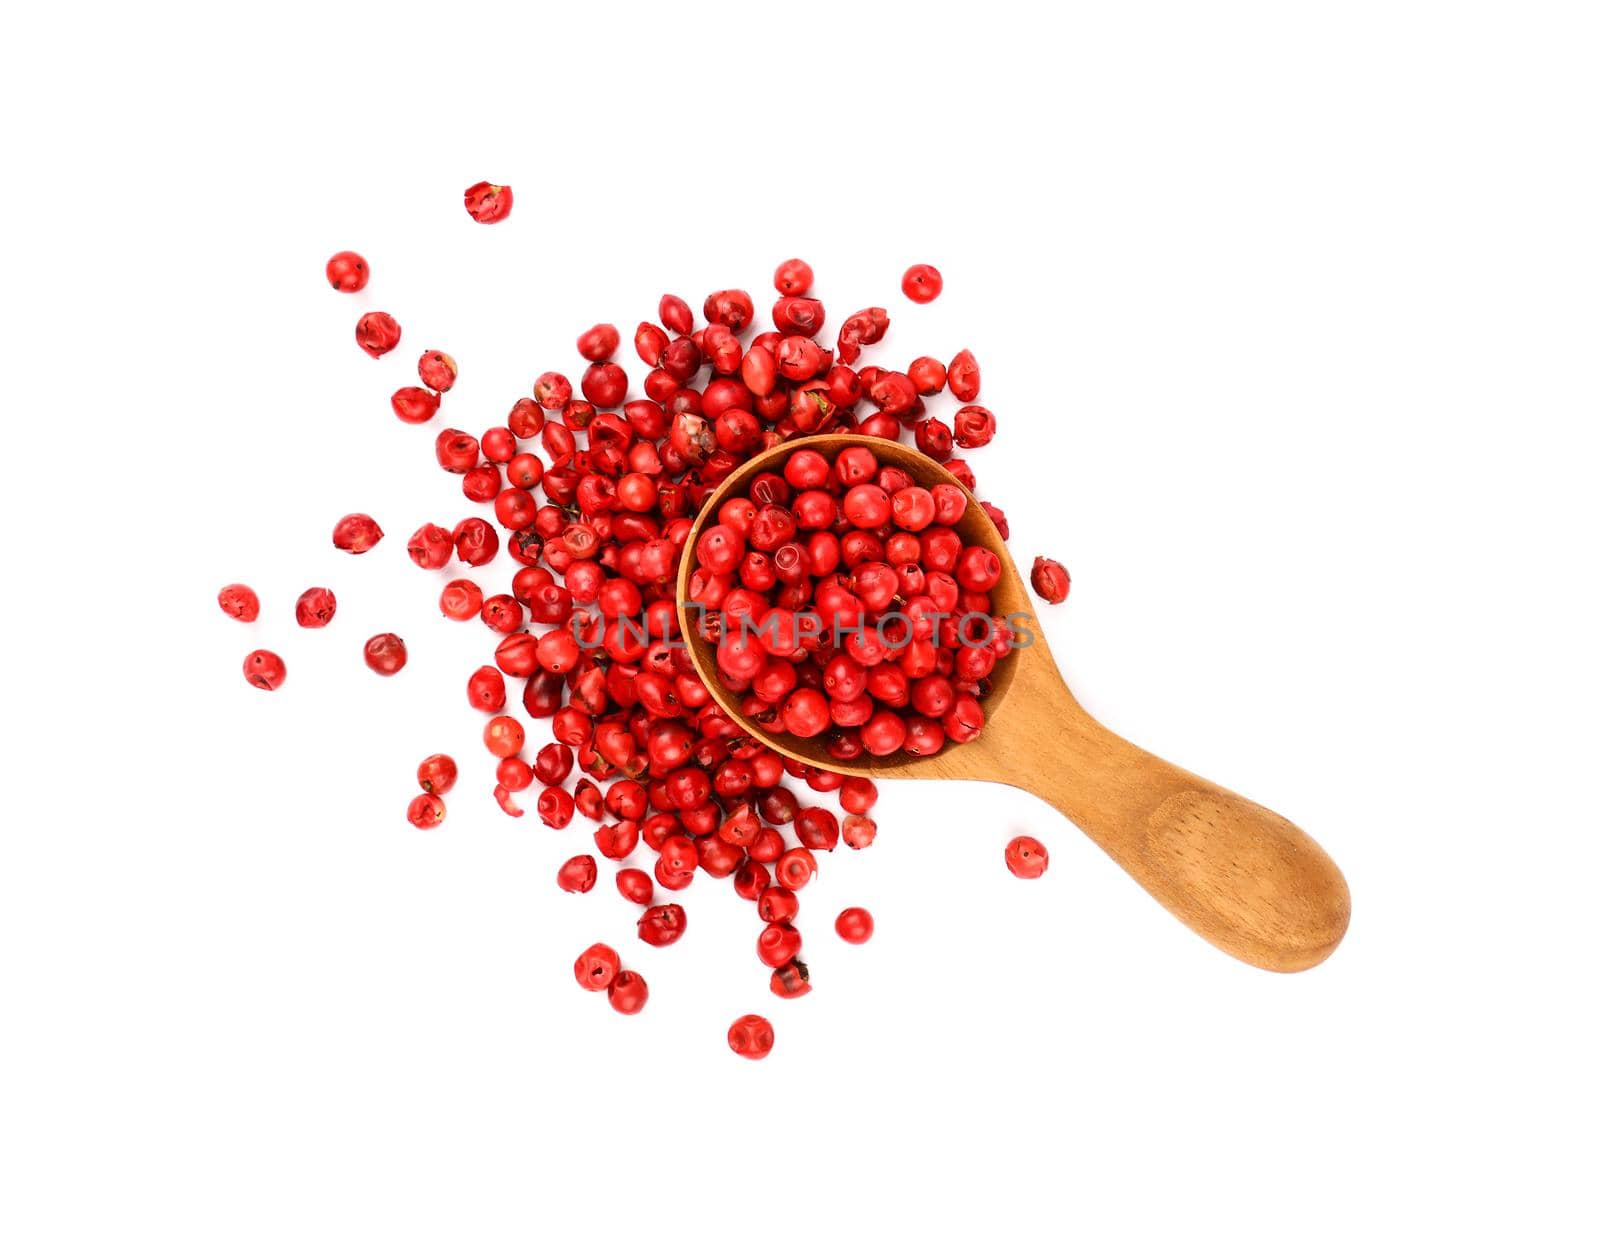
pixel 553 763
pixel 377 333
pixel 503 736
pixel 616 842
pixel 973 425
pixel 597 967
pixel 854 925
pixel 792 980
pixel 793 315
pixel 514 774
pixel 751 1037
pixel 817 828
pixel 576 876
pixel 927 374
pixel 662 925
pixel 431 547
pixel 599 343
pixel 635 885
pixel 385 654
pixel 733 309
pixel 628 993
pixel 437 370
pixel 857 795
pixel 556 809
pixel 777 905
pixel 793 277
pixel 675 314
pixel 315 607
pixel 859 831
pixel 414 405
pixel 425 811
pixel 866 327
pixel 476 541
pixel 486 690
pixel 777 945
pixel 1026 857
pixel 456 451
pixel 461 600
pixel 964 376
pixel 265 669
pixel 437 774
pixel 356 533
pixel 605 384
pixel 1050 579
pixel 239 602
pixel 552 391
pixel 347 271
pixel 488 203
pixel 795 868
pixel 922 284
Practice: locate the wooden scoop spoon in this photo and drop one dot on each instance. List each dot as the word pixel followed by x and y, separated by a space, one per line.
pixel 1236 873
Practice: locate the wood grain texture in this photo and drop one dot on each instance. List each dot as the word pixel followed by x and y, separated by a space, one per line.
pixel 1240 876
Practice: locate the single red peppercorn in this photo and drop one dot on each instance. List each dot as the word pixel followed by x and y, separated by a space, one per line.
pixel 792 980
pixel 1026 857
pixel 628 993
pixel 315 607
pixel 662 925
pixel 431 547
pixel 777 904
pixel 461 600
pixel 794 867
pixel 265 669
pixel 777 945
pixel 635 886
pixel 514 774
pixel 552 391
pixel 504 736
pixel 577 875
pixel 476 541
pixel 488 203
pixel 377 333
pixel 1050 579
pixel 599 343
pixel 437 774
pixel 859 831
pixel 854 925
pixel 414 405
pixel 751 1037
pixel 486 689
pixel 456 451
pixel 974 426
pixel 597 967
pixel 556 809
pixel 356 533
pixel 385 654
pixel 553 763
pixel 964 376
pixel 425 811
pixel 437 370
pixel 922 284
pixel 793 277
pixel 857 795
pixel 347 271
pixel 239 602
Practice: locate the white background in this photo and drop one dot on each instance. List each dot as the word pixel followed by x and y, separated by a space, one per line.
pixel 1289 316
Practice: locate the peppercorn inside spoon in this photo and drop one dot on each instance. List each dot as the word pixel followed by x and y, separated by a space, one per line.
pixel 1239 875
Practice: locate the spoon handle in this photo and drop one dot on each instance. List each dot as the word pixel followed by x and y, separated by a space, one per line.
pixel 1238 874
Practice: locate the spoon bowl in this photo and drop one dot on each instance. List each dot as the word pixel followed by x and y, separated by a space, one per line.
pixel 1242 877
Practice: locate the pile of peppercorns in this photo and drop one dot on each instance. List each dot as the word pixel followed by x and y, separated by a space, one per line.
pixel 588 625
